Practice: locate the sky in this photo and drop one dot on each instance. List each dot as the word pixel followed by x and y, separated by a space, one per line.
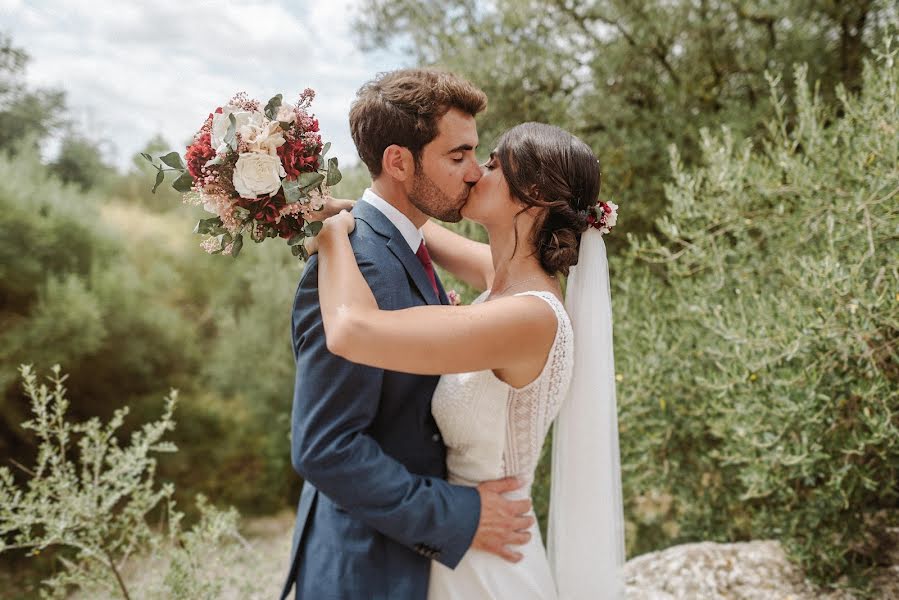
pixel 132 69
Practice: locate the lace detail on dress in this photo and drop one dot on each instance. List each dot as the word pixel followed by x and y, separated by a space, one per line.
pixel 494 430
pixel 532 408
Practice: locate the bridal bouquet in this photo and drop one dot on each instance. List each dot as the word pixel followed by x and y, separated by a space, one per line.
pixel 260 170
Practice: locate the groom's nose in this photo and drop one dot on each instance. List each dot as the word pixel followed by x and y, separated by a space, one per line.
pixel 473 174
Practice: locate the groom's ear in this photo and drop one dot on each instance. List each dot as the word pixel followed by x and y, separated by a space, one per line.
pixel 398 163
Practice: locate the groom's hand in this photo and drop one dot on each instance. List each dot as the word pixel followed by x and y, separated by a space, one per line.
pixel 503 522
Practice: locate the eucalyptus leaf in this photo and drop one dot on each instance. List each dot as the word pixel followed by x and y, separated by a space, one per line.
pixel 241 213
pixel 292 190
pixel 148 157
pixel 300 251
pixel 309 181
pixel 238 244
pixel 211 226
pixel 325 149
pixel 271 109
pixel 215 161
pixel 221 243
pixel 159 177
pixel 173 159
pixel 312 228
pixel 334 175
pixel 184 182
pixel 295 239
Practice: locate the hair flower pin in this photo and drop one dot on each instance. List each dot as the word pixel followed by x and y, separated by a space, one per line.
pixel 602 216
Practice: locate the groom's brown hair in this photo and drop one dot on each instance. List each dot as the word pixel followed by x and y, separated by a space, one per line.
pixel 402 107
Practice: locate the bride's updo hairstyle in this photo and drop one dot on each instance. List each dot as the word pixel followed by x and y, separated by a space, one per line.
pixel 547 167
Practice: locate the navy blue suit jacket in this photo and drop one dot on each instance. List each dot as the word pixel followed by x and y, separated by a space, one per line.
pixel 375 508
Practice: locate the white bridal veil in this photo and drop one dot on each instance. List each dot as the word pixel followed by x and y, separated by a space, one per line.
pixel 586 518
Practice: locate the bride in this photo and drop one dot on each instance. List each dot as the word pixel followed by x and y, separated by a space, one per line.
pixel 513 361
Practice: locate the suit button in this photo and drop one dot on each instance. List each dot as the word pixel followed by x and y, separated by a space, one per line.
pixel 436 437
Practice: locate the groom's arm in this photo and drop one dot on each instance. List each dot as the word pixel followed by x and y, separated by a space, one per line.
pixel 335 402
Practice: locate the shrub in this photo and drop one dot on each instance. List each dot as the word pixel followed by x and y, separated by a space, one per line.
pixel 758 340
pixel 91 497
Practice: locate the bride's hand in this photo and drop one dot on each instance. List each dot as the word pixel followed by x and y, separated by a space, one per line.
pixel 331 207
pixel 341 223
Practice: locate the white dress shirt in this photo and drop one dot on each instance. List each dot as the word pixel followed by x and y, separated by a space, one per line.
pixel 411 234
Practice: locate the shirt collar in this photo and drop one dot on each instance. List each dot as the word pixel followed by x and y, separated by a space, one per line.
pixel 410 233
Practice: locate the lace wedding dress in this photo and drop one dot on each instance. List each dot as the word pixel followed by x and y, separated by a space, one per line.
pixel 493 430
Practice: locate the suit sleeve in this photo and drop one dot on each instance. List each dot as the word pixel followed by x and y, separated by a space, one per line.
pixel 335 401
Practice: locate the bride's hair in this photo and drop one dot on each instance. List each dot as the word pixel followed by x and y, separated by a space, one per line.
pixel 547 167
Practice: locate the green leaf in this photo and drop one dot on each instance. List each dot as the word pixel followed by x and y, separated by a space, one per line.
pixel 309 181
pixel 285 125
pixel 231 135
pixel 159 177
pixel 148 157
pixel 242 213
pixel 173 159
pixel 295 239
pixel 211 226
pixel 215 161
pixel 184 182
pixel 221 242
pixel 334 175
pixel 312 228
pixel 325 149
pixel 292 192
pixel 300 251
pixel 271 109
pixel 238 244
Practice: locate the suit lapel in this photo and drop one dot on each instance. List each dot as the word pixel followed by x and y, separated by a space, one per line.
pixel 396 243
pixel 443 297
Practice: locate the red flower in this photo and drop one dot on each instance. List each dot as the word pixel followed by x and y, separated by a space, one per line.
pixel 295 158
pixel 265 209
pixel 198 154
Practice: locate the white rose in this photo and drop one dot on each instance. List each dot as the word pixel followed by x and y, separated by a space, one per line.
pixel 265 139
pixel 221 123
pixel 612 217
pixel 256 174
pixel 286 113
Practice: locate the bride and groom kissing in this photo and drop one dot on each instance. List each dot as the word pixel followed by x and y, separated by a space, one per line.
pixel 417 425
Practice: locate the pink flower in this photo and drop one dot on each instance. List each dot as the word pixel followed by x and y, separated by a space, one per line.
pixel 454 298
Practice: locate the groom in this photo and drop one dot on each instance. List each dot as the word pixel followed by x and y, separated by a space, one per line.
pixel 375 508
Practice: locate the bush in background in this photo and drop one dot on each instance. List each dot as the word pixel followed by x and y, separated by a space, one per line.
pixel 758 340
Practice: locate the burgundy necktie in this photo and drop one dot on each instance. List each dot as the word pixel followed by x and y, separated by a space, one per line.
pixel 425 259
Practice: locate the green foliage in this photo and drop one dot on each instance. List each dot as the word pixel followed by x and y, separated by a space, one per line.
pixel 629 77
pixel 80 163
pixel 92 496
pixel 26 116
pixel 758 340
pixel 125 298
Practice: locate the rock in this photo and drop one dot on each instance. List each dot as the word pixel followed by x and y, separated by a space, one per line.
pixel 757 570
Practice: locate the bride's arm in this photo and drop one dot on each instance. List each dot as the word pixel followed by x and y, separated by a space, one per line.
pixel 466 259
pixel 426 339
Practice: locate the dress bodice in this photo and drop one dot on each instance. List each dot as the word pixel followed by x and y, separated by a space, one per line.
pixel 493 430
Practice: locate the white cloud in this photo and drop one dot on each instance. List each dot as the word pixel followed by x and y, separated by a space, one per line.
pixel 131 70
